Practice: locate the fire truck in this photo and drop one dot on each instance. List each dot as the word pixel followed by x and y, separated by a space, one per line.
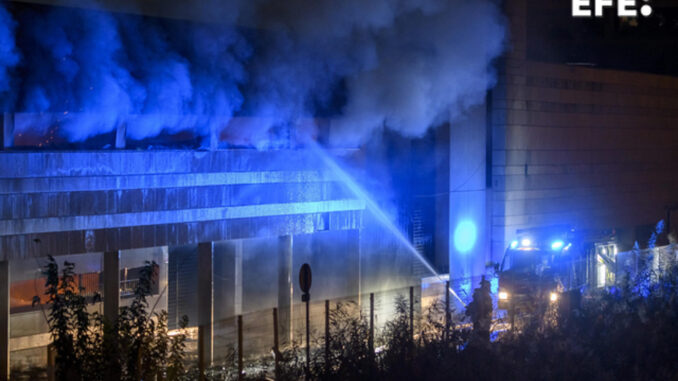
pixel 545 265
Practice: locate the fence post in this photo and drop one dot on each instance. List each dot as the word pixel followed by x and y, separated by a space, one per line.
pixel 276 344
pixel 412 312
pixel 447 310
pixel 240 348
pixel 308 339
pixel 201 353
pixel 327 334
pixel 371 337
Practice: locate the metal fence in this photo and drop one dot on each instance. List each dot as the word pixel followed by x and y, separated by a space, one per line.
pixel 656 261
pixel 258 335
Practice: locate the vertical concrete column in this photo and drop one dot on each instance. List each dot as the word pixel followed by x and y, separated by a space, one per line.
pixel 354 260
pixel 111 285
pixel 227 282
pixel 285 288
pixel 7 133
pixel 120 136
pixel 441 236
pixel 4 320
pixel 237 302
pixel 467 227
pixel 205 303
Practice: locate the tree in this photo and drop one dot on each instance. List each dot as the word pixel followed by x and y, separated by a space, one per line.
pixel 136 346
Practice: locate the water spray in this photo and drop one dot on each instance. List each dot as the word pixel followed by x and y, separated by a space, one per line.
pixel 374 208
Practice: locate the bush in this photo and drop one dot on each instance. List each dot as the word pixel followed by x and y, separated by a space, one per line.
pixel 136 346
pixel 628 332
pixel 624 332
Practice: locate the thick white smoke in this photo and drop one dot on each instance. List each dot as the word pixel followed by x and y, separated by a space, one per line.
pixel 399 64
pixel 406 64
pixel 430 68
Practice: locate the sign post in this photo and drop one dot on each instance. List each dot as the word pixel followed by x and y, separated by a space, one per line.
pixel 305 280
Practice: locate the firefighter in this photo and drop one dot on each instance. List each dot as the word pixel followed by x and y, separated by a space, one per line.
pixel 480 310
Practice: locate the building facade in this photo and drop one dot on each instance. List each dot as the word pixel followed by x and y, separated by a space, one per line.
pixel 583 122
pixel 570 134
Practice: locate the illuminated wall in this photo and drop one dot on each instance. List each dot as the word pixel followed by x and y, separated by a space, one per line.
pixel 468 249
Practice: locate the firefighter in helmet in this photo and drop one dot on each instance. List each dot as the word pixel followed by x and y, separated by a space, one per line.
pixel 480 310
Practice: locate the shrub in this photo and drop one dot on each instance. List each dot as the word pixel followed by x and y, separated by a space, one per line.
pixel 136 346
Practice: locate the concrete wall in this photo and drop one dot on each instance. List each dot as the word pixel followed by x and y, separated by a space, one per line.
pixel 467 194
pixel 583 146
pixel 169 202
pixel 75 202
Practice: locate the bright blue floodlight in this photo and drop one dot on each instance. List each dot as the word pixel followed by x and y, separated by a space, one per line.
pixel 465 236
pixel 514 244
pixel 525 242
pixel 557 245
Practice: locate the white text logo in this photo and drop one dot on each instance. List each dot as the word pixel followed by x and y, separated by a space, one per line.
pixel 625 8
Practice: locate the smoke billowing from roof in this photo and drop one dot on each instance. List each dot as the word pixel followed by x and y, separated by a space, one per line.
pixel 8 54
pixel 399 64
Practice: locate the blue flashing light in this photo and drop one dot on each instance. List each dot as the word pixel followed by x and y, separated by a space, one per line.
pixel 525 242
pixel 557 245
pixel 514 244
pixel 465 235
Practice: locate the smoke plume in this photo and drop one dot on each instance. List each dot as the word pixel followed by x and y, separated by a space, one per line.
pixel 8 55
pixel 399 64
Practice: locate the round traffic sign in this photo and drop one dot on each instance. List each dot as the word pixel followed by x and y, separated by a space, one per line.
pixel 305 278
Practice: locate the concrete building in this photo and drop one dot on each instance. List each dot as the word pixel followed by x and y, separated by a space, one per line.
pixel 570 134
pixel 583 122
pixel 192 212
pixel 578 130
